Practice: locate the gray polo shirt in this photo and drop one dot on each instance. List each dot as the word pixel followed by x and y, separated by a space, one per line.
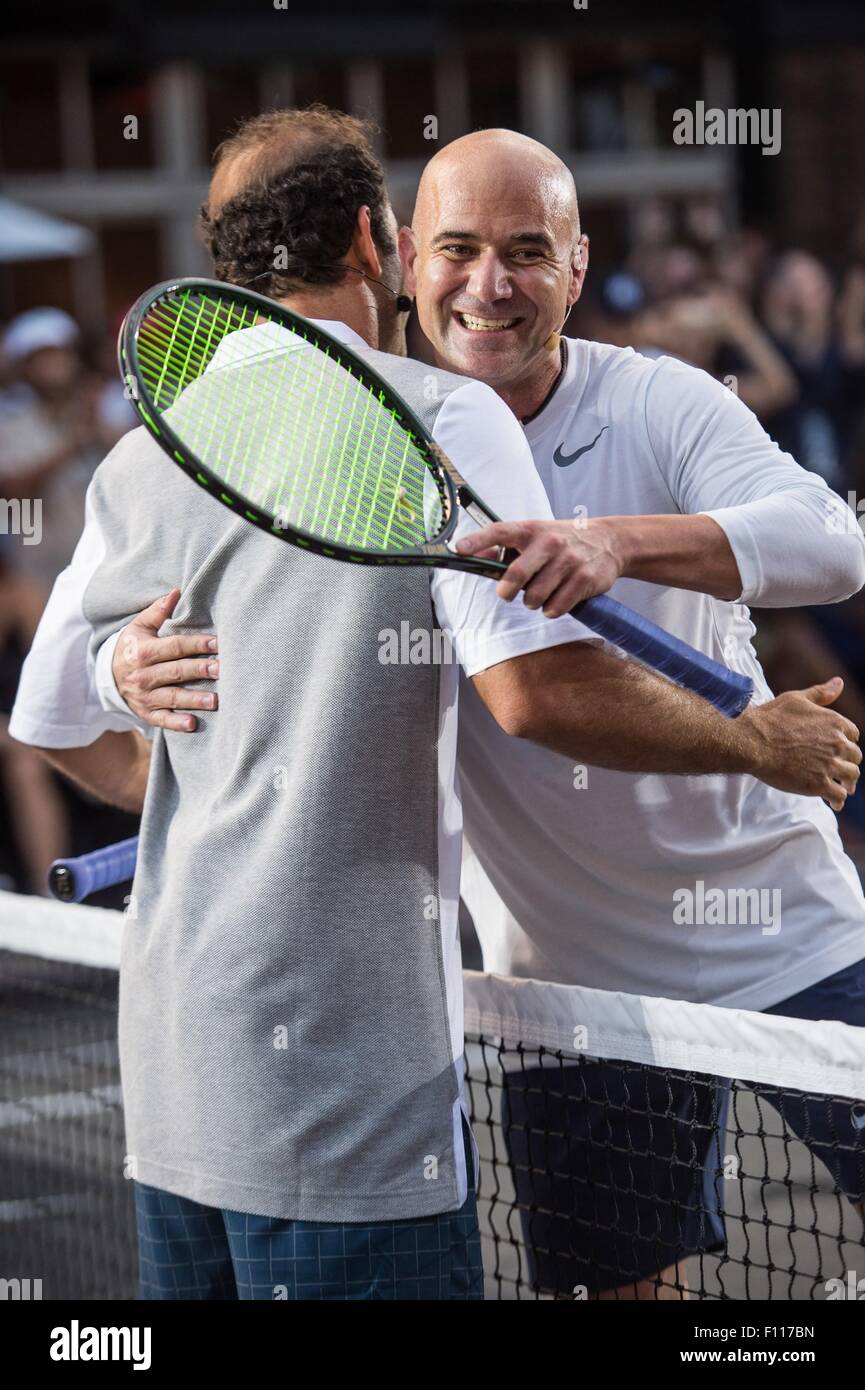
pixel 291 1012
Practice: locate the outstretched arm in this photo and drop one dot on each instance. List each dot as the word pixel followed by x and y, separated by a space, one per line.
pixel 587 704
pixel 751 525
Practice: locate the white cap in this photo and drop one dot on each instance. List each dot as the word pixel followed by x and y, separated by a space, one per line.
pixel 39 328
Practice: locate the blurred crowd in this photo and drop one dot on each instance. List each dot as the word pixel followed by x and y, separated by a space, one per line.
pixel 782 328
pixel 61 409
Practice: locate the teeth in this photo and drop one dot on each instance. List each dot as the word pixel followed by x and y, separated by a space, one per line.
pixel 485 325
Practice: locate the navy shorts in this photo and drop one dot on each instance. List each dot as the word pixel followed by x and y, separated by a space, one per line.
pixel 618 1171
pixel 191 1251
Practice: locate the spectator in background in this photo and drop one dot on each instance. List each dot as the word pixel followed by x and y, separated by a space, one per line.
pixel 115 414
pixel 827 353
pixel 714 328
pixel 667 271
pixel 50 442
pixel 706 325
pixel 740 261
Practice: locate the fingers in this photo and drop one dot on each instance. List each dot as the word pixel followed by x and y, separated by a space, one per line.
pixel 150 694
pixel 156 613
pixel 844 768
pixel 557 588
pixel 575 586
pixel 826 693
pixel 150 651
pixel 161 673
pixel 846 775
pixel 175 697
pixel 179 723
pixel 850 730
pixel 153 673
pixel 845 771
pixel 513 535
pixel 539 569
pixel 558 564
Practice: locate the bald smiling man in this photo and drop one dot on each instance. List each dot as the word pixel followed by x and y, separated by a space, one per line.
pixel 570 877
pixel 689 512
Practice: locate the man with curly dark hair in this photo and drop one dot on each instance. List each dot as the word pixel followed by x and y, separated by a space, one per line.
pixel 283 209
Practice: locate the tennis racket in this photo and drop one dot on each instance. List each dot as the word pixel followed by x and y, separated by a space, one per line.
pixel 73 880
pixel 293 431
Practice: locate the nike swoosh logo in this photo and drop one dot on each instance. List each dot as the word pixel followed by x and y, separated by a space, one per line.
pixel 564 460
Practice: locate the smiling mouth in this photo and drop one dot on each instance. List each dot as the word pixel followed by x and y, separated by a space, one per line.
pixel 475 324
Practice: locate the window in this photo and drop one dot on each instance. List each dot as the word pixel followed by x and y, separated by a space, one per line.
pixel 231 95
pixel 131 259
pixel 324 82
pixel 30 139
pixel 408 99
pixel 117 94
pixel 30 283
pixel 493 89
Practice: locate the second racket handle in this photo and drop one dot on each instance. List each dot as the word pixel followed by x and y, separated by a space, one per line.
pixel 73 880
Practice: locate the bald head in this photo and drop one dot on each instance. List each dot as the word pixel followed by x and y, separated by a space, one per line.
pixel 495 259
pixel 504 161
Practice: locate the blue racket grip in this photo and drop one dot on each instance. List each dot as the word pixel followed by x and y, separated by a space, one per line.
pixel 73 880
pixel 725 689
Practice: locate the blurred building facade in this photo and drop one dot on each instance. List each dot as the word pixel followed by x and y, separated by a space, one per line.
pixel 109 113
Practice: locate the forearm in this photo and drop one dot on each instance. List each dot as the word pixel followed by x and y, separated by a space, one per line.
pixel 114 768
pixel 679 552
pixel 593 707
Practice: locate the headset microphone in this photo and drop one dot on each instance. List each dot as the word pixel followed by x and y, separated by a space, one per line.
pixel 404 305
pixel 554 340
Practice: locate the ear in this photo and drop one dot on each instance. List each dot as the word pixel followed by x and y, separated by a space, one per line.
pixel 579 266
pixel 408 256
pixel 363 246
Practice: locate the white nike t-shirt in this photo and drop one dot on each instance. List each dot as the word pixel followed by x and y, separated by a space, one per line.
pixel 713 889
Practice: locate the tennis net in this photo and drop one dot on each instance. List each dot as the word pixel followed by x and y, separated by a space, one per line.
pixel 627 1145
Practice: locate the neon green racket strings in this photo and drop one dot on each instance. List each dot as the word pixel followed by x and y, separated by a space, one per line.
pixel 284 424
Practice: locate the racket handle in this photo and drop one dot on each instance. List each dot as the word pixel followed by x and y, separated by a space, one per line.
pixel 728 691
pixel 72 880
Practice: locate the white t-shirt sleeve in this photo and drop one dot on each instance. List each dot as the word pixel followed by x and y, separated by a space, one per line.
pixel 485 442
pixel 58 703
pixel 792 537
pixel 109 696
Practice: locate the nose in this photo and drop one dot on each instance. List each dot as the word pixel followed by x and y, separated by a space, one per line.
pixel 489 279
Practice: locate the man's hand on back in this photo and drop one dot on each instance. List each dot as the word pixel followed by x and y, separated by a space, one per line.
pixel 151 672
